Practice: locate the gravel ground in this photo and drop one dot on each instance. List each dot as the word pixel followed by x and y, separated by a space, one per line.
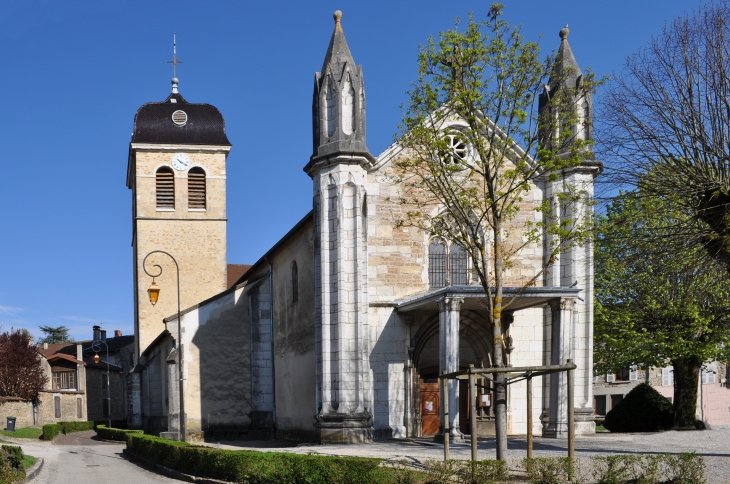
pixel 714 445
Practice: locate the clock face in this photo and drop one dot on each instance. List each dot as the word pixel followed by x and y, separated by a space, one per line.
pixel 180 161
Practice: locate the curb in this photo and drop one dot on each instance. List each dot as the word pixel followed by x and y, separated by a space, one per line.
pixel 32 472
pixel 172 473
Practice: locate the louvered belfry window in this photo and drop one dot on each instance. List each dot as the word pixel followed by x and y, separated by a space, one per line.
pixel 165 185
pixel 196 188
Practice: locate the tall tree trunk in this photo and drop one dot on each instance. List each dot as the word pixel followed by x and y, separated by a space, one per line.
pixel 500 390
pixel 686 380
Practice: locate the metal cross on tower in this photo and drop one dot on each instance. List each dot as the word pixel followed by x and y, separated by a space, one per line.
pixel 174 61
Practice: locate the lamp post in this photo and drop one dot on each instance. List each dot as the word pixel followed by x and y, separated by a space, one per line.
pixel 154 293
pixel 95 346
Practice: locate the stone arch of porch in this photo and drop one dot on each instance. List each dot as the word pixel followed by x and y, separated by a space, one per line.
pixel 474 334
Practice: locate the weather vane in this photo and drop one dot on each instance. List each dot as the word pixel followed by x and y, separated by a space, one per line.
pixel 174 61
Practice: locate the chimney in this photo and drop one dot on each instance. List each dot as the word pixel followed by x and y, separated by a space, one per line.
pixel 117 333
pixel 97 332
pixel 79 352
pixel 103 335
pixel 45 346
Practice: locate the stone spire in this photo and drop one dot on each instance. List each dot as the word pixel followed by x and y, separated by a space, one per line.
pixel 338 104
pixel 566 74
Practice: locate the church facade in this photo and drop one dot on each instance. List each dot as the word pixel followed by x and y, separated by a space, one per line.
pixel 339 331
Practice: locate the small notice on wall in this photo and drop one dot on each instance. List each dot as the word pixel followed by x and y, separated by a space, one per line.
pixel 485 400
pixel 429 406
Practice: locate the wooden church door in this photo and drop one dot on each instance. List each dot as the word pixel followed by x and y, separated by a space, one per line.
pixel 430 404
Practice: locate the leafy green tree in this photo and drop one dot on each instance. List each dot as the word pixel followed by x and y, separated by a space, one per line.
pixel 55 335
pixel 471 186
pixel 657 304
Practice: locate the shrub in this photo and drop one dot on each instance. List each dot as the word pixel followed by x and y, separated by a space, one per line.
pixel 11 464
pixel 75 426
pixel 258 467
pixel 546 470
pixel 643 409
pixel 50 431
pixel 106 433
pixel 686 467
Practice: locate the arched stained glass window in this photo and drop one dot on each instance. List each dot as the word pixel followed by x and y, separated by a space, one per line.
pixel 458 265
pixel 437 264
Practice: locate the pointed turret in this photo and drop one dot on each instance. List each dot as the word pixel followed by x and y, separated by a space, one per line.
pixel 566 75
pixel 338 105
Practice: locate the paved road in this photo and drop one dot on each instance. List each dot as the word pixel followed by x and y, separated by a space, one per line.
pixel 78 459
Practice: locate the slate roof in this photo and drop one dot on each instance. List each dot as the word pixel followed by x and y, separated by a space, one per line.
pixel 205 125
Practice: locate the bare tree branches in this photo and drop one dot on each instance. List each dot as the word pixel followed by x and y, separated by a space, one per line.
pixel 666 123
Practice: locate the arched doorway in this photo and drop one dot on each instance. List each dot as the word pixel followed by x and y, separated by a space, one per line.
pixel 474 348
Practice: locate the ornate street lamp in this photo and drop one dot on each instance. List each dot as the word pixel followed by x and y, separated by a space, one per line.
pixel 95 346
pixel 154 294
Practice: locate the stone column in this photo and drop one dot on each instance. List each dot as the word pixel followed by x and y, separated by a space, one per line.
pixel 449 361
pixel 561 350
pixel 173 397
pixel 341 309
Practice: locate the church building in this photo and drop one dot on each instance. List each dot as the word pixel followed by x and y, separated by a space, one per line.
pixel 337 333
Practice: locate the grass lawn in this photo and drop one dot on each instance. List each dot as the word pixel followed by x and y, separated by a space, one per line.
pixel 600 427
pixel 24 433
pixel 28 461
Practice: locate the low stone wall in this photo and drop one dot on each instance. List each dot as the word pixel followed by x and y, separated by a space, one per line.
pixel 21 410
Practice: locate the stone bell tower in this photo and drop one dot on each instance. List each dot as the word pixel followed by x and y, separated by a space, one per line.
pixel 177 173
pixel 338 167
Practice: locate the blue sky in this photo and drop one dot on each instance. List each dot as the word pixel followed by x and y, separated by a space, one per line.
pixel 74 74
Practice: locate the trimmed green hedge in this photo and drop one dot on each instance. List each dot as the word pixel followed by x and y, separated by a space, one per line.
pixel 106 433
pixel 74 426
pixel 258 467
pixel 11 464
pixel 643 409
pixel 51 430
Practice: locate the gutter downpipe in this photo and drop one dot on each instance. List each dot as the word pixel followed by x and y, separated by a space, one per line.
pixel 271 329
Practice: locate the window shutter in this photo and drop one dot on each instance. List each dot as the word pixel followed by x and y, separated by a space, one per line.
pixel 165 185
pixel 611 377
pixel 196 188
pixel 633 373
pixel 668 376
pixel 595 378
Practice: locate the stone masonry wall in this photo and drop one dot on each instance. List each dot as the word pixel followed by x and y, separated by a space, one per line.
pixel 22 411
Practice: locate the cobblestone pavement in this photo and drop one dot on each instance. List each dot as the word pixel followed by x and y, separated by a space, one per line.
pixel 78 459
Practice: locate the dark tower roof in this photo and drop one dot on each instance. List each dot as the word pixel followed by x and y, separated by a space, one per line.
pixel 203 124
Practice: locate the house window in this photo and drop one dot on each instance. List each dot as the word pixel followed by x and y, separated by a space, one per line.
pixel 196 188
pixel 64 380
pixel 708 375
pixel 294 282
pixel 615 399
pixel 165 188
pixel 624 374
pixel 599 405
pixel 668 376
